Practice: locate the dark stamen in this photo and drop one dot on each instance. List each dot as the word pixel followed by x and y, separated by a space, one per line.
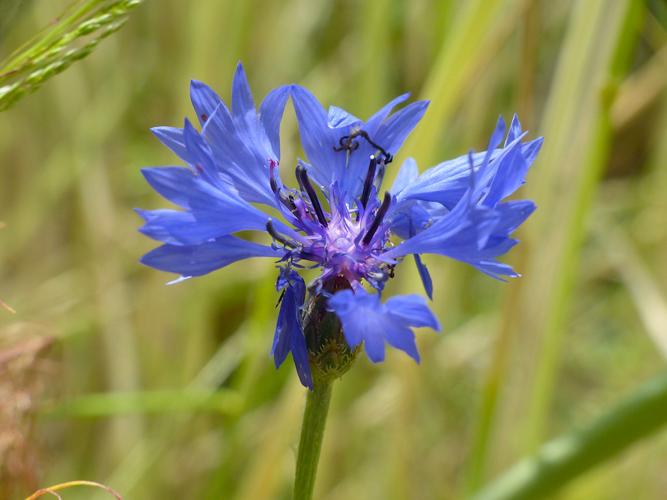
pixel 304 181
pixel 299 179
pixel 347 143
pixel 380 173
pixel 279 237
pixel 280 298
pixel 274 184
pixel 388 158
pixel 368 183
pixel 273 181
pixel 286 200
pixel 379 215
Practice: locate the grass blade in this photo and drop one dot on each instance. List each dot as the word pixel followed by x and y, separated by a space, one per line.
pixel 70 40
pixel 561 460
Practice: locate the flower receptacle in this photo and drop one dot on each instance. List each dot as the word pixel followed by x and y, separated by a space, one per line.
pixel 329 354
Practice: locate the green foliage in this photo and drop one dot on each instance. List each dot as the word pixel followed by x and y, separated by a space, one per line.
pixel 168 392
pixel 559 461
pixel 73 37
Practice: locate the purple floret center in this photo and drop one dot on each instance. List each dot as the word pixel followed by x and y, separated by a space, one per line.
pixel 345 241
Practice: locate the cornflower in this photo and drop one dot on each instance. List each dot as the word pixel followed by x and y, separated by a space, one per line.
pixel 338 219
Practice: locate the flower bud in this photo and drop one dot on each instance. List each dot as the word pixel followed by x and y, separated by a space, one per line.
pixel 329 354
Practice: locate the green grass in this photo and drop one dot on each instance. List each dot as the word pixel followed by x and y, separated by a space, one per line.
pixel 169 392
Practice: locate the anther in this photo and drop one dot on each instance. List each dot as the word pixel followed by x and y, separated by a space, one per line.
pixel 274 184
pixel 304 182
pixel 388 158
pixel 379 216
pixel 270 228
pixel 285 199
pixel 347 143
pixel 368 183
pixel 379 177
pixel 273 177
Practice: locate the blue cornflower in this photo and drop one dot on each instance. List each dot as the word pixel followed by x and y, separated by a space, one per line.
pixel 338 219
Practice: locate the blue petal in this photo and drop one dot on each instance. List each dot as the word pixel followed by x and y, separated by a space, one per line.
pixel 271 113
pixel 317 139
pixel 495 173
pixel 425 276
pixel 505 174
pixel 393 132
pixel 188 228
pixel 242 101
pixel 288 318
pixel 414 310
pixel 407 174
pixel 172 137
pixel 496 270
pixel 446 182
pixel 496 137
pixel 411 218
pixel 373 344
pixel 289 335
pixel 530 149
pixel 159 224
pixel 204 100
pixel 158 231
pixel 376 120
pixel 218 212
pixel 408 218
pixel 247 122
pixel 515 130
pixel 463 226
pixel 302 363
pixel 513 214
pixel 403 339
pixel 242 151
pixel 213 211
pixel 321 133
pixel 389 134
pixel 181 186
pixel 201 156
pixel 365 319
pixel 338 117
pixel 197 260
pixel 472 234
pixel 237 147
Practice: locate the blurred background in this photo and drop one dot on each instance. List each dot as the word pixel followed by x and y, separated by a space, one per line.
pixel 169 391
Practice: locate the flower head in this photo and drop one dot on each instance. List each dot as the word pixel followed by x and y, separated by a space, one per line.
pixel 338 218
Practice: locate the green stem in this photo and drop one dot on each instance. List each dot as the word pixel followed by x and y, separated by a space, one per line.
pixel 561 460
pixel 21 55
pixel 310 444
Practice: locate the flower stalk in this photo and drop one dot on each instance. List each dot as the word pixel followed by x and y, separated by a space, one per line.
pixel 329 357
pixel 310 443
